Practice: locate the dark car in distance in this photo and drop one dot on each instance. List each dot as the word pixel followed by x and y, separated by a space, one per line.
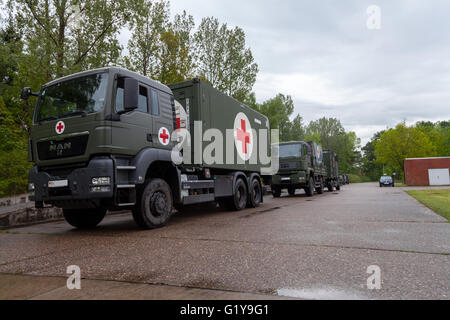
pixel 386 181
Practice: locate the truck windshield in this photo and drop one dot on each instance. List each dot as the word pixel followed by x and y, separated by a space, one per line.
pixel 290 151
pixel 72 97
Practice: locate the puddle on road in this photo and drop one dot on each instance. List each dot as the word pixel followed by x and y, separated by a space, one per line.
pixel 319 294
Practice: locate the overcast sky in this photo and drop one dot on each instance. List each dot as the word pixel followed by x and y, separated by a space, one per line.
pixel 323 54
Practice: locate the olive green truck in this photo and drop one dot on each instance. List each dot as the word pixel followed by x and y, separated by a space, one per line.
pixel 303 165
pixel 105 140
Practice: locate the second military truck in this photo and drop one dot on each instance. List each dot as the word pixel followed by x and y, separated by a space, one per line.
pixel 301 167
pixel 102 140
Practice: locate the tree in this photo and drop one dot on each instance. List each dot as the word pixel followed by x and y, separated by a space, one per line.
pixel 370 167
pixel 331 135
pixel 395 145
pixel 144 44
pixel 439 135
pixel 278 110
pixel 65 36
pixel 161 49
pixel 175 55
pixel 223 59
pixel 297 130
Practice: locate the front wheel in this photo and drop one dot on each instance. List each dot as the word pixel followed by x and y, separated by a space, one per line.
pixel 291 191
pixel 154 206
pixel 84 218
pixel 321 187
pixel 276 192
pixel 310 188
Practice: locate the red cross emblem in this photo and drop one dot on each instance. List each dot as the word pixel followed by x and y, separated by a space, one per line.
pixel 243 136
pixel 164 136
pixel 60 126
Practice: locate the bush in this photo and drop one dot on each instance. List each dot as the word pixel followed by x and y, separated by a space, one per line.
pixel 354 178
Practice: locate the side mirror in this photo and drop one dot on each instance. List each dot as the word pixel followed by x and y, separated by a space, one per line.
pixel 131 92
pixel 26 93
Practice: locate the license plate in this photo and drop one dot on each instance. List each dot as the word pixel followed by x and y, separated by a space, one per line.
pixel 58 184
pixel 285 179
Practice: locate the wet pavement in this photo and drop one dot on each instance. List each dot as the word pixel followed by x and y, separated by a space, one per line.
pixel 311 248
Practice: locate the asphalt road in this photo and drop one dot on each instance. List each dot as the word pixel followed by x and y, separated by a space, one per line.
pixel 313 248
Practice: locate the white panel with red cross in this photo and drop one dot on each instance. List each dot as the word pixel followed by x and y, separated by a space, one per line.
pixel 243 136
pixel 60 127
pixel 164 136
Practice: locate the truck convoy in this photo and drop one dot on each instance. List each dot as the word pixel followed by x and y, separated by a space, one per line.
pixel 101 140
pixel 303 165
pixel 111 139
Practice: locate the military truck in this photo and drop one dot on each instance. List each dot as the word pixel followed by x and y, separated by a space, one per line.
pixel 104 140
pixel 332 166
pixel 300 167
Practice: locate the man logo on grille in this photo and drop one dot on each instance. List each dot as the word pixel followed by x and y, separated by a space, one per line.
pixel 60 127
pixel 243 136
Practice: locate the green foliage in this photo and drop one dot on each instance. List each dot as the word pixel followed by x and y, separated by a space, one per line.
pixel 278 110
pixel 355 178
pixel 439 135
pixel 395 145
pixel 370 167
pixel 223 59
pixel 13 155
pixel 330 133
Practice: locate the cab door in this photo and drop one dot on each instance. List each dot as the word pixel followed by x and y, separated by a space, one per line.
pixel 134 131
pixel 163 112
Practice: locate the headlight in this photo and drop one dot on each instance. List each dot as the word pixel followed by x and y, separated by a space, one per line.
pixel 31 187
pixel 99 181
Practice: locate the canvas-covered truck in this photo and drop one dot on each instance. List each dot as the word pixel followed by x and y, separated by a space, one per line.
pixel 332 166
pixel 300 167
pixel 103 140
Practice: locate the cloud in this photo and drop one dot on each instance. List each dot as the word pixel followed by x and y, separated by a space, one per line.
pixel 322 54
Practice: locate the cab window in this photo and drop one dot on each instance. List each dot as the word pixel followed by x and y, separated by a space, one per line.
pixel 143 99
pixel 155 103
pixel 119 96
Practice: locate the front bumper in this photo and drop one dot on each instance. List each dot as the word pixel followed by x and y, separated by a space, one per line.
pixel 298 178
pixel 79 182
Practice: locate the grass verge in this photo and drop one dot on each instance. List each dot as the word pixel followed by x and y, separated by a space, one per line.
pixel 438 200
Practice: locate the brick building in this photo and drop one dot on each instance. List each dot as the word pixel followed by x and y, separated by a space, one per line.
pixel 427 171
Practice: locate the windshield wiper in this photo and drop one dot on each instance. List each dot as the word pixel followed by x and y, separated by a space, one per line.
pixel 65 115
pixel 83 113
pixel 48 119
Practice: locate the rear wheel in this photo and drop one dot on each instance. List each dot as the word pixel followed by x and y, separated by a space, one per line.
pixel 239 199
pixel 338 186
pixel 84 218
pixel 154 206
pixel 310 188
pixel 255 193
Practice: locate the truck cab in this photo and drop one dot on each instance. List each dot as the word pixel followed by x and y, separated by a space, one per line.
pixel 300 168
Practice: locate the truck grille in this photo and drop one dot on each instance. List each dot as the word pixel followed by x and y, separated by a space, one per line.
pixel 288 165
pixel 69 147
